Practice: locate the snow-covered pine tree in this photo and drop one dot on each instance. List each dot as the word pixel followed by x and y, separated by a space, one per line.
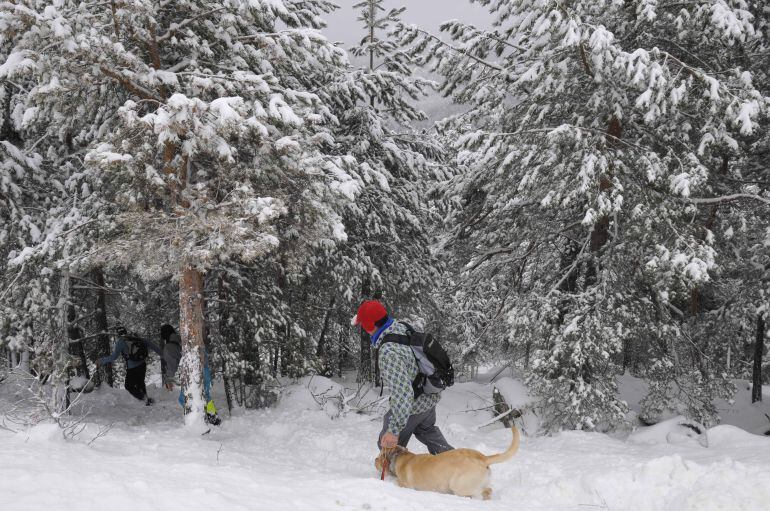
pixel 593 133
pixel 386 255
pixel 29 285
pixel 192 131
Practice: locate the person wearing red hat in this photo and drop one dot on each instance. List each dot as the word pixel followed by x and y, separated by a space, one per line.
pixel 398 368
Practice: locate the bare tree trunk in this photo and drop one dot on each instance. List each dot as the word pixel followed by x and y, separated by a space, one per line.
pixel 226 332
pixel 365 343
pixel 191 329
pixel 323 352
pixel 365 369
pixel 759 348
pixel 103 342
pixel 276 355
pixel 372 14
pixel 58 399
pixel 76 348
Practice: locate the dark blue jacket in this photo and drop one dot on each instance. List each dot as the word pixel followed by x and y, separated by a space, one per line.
pixel 121 348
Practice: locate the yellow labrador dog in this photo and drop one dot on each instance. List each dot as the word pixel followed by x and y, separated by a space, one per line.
pixel 463 472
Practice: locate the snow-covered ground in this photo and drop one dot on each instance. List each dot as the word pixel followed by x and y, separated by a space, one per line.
pixel 295 457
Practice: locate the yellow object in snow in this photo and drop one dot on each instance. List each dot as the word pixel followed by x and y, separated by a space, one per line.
pixel 210 408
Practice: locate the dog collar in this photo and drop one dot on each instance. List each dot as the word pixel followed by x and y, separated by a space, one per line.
pixel 392 460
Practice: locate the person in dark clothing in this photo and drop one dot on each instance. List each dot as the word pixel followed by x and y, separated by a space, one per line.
pixel 134 351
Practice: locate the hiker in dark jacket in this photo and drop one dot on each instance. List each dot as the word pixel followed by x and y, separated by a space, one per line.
pixel 134 351
pixel 398 368
pixel 172 355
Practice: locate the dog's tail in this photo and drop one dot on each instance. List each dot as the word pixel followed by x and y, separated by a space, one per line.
pixel 505 456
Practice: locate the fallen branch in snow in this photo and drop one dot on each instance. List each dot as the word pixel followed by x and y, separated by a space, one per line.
pixel 492 421
pixel 34 407
pixel 482 409
pixel 502 407
pixel 103 430
pixel 338 404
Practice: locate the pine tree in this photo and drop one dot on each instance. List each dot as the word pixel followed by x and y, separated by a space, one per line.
pixel 593 134
pixel 188 135
pixel 386 255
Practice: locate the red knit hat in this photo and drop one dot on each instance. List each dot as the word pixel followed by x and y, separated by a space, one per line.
pixel 369 313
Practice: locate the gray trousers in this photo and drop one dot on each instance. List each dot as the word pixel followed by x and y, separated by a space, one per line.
pixel 423 426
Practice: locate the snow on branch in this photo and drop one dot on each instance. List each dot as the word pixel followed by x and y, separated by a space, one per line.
pixel 461 51
pixel 728 198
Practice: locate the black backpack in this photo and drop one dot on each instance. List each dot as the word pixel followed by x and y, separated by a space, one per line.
pixel 435 371
pixel 137 349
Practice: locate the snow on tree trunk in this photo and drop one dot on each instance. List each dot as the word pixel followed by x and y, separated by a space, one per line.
pixel 57 403
pixel 759 347
pixel 502 407
pixel 191 325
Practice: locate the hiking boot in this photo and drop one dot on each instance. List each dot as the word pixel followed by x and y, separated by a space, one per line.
pixel 213 419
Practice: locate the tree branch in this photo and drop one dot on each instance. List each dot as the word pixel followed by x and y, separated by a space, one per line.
pixel 727 198
pixel 130 86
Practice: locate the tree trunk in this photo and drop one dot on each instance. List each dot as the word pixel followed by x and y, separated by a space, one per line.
pixel 527 348
pixel 276 355
pixel 228 334
pixel 501 407
pixel 24 362
pixel 286 352
pixel 191 330
pixel 60 354
pixel 365 369
pixel 372 14
pixel 365 344
pixel 759 348
pixel 103 341
pixel 323 352
pixel 626 356
pixel 76 349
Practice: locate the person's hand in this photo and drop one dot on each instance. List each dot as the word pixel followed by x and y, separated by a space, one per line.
pixel 169 386
pixel 388 440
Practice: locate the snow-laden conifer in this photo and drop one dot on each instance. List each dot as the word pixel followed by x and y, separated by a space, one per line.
pixel 188 134
pixel 593 135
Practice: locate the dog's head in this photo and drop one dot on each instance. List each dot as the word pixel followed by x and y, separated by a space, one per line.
pixel 390 455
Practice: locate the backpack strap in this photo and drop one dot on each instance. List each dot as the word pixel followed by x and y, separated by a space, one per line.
pixel 412 338
pixel 390 337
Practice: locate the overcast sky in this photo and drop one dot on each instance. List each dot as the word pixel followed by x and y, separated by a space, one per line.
pixel 428 14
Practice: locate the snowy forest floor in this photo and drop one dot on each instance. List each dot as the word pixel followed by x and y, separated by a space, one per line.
pixel 294 457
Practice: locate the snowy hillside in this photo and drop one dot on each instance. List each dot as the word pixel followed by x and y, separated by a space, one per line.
pixel 295 457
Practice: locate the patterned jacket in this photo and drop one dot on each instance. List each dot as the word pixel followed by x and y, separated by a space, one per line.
pixel 398 368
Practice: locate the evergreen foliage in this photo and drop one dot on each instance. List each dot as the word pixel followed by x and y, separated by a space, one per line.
pixel 599 140
pixel 600 205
